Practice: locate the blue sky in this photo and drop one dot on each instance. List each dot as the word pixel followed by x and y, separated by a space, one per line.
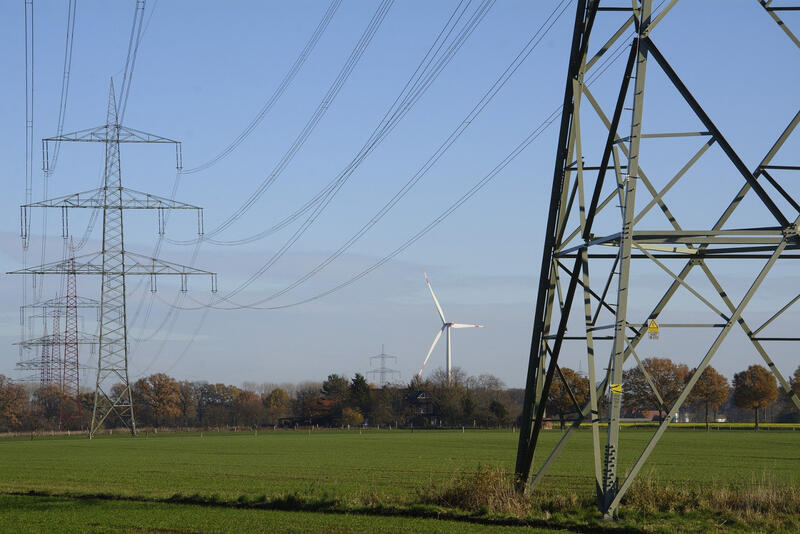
pixel 205 68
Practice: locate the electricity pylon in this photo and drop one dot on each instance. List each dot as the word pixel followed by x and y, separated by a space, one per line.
pixel 601 198
pixel 113 263
pixel 382 371
pixel 71 376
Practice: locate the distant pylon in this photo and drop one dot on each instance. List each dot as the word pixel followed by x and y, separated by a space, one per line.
pixel 113 263
pixel 71 365
pixel 45 365
pixel 382 371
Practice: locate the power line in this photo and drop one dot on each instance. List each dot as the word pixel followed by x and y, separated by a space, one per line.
pixel 62 105
pixel 130 60
pixel 420 79
pixel 529 47
pixel 287 79
pixel 415 87
pixel 347 69
pixel 532 136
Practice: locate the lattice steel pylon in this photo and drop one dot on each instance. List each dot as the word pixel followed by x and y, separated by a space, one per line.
pixel 71 383
pixel 382 371
pixel 113 263
pixel 584 229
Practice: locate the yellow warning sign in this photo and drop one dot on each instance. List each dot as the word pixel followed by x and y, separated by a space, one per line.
pixel 616 389
pixel 652 329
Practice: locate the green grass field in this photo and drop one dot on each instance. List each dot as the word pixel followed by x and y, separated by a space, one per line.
pixel 343 471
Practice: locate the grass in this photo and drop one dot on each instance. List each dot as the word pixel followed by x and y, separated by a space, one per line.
pixel 33 515
pixel 694 480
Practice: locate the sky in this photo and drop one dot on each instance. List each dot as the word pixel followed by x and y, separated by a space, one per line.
pixel 204 70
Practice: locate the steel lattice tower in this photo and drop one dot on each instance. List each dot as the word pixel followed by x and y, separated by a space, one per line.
pixel 601 198
pixel 71 367
pixel 46 364
pixel 113 263
pixel 46 309
pixel 382 371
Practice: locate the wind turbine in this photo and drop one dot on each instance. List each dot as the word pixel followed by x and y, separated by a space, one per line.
pixel 445 328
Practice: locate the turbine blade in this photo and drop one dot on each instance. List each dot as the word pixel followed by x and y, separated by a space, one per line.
pixel 435 300
pixel 462 325
pixel 430 350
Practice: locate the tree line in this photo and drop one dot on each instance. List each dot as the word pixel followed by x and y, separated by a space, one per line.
pixel 160 400
pixel 649 390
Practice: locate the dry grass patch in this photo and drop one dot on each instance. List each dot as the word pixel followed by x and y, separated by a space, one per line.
pixel 488 490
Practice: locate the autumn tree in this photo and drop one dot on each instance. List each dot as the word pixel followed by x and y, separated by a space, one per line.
pixel 668 377
pixel 187 402
pixel 159 395
pixel 796 381
pixel 47 403
pixel 754 388
pixel 248 409
pixel 277 404
pixel 215 403
pixel 351 416
pixel 12 404
pixel 711 390
pixel 560 401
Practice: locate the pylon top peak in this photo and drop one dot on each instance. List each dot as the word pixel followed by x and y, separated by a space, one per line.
pixel 112 117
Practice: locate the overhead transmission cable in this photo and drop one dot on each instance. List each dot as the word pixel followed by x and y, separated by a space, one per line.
pixel 62 104
pixel 276 95
pixel 323 107
pixel 28 191
pixel 429 68
pixel 488 96
pixel 480 184
pixel 122 102
pixel 130 60
pixel 538 131
pixel 295 68
pixel 356 54
pixel 419 81
pixel 605 64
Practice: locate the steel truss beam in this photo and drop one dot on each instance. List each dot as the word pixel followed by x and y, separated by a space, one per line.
pixel 568 251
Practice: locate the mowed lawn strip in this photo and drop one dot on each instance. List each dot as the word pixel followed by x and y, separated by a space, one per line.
pixel 389 466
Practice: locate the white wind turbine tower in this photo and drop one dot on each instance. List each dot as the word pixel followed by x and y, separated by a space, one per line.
pixel 445 328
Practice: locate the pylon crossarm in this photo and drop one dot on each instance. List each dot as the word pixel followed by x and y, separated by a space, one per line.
pixel 135 264
pixel 61 302
pixel 95 199
pixel 693 380
pixel 83 339
pixel 109 133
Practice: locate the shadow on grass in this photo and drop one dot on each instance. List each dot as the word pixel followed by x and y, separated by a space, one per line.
pixel 330 505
